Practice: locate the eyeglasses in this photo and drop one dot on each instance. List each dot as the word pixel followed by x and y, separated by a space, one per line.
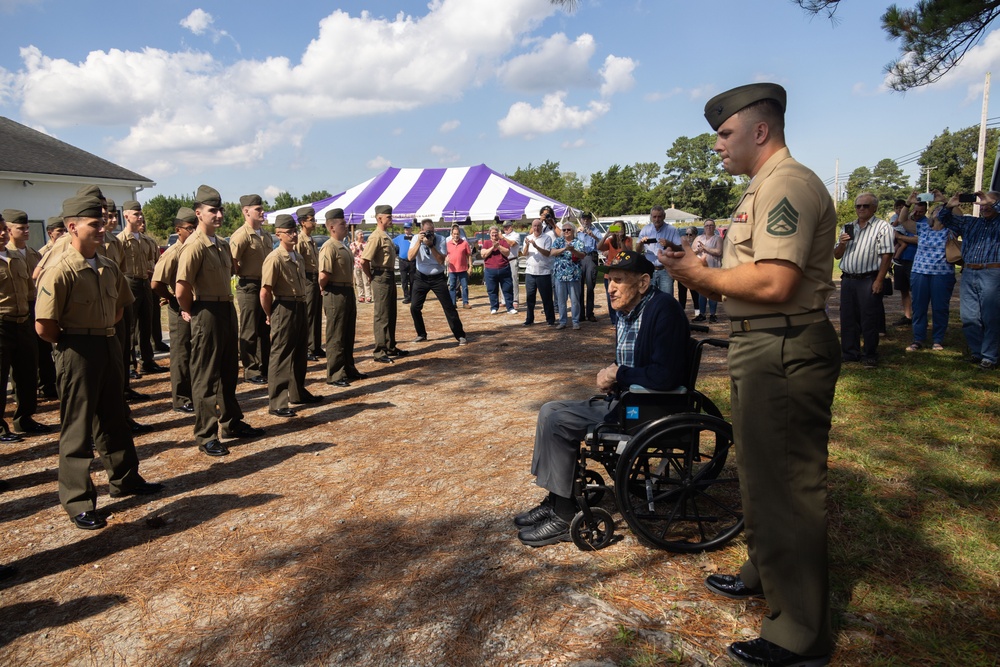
pixel 188 228
pixel 863 205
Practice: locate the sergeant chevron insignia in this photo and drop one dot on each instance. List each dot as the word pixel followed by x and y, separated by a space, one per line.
pixel 783 219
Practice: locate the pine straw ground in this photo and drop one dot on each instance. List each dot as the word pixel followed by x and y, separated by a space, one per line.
pixel 374 529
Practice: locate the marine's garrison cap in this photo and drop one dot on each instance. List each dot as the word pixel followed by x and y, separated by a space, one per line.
pixel 722 106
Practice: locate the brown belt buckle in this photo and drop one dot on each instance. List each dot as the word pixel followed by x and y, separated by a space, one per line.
pixel 745 325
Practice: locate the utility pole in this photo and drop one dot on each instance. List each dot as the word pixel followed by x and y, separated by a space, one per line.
pixel 981 150
pixel 836 182
pixel 928 171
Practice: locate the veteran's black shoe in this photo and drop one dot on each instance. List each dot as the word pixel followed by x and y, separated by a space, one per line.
pixel 89 521
pixel 731 586
pixel 257 379
pixel 763 653
pixel 153 368
pixel 282 412
pixel 308 398
pixel 397 353
pixel 214 448
pixel 242 430
pixel 357 376
pixel 143 489
pixel 10 437
pixel 187 407
pixel 549 531
pixel 139 429
pixel 382 360
pixel 161 347
pixel 538 513
pixel 340 383
pixel 132 396
pixel 32 427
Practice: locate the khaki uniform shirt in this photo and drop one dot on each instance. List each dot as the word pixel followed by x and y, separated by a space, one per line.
pixel 165 271
pixel 249 250
pixel 15 284
pixel 336 260
pixel 139 254
pixel 45 248
pixel 113 249
pixel 78 297
pixel 31 257
pixel 287 277
pixel 206 264
pixel 786 213
pixel 380 251
pixel 306 247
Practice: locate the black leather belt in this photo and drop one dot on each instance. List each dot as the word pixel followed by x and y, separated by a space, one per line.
pixel 289 299
pixel 859 276
pixel 109 332
pixel 248 281
pixel 214 299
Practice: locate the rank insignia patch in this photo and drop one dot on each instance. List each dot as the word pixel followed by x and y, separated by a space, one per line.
pixel 783 219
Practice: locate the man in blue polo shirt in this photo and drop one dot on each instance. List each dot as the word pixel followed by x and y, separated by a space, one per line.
pixel 406 268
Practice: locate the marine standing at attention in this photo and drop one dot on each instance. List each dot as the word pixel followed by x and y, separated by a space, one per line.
pixel 379 262
pixel 336 267
pixel 249 246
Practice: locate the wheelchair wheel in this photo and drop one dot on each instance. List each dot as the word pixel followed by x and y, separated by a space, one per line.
pixel 675 486
pixel 591 536
pixel 595 487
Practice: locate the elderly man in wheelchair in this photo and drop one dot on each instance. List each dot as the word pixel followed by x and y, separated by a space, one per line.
pixel 651 352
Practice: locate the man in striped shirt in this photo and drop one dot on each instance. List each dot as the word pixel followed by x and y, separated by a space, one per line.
pixel 865 253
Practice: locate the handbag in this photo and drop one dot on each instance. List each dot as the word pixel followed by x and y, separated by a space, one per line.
pixel 953 250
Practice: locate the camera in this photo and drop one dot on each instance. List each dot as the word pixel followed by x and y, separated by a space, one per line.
pixel 967 199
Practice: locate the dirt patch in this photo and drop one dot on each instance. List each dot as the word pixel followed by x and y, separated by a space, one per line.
pixel 372 529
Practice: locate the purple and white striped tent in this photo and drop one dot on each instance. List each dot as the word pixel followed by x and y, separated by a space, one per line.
pixel 455 194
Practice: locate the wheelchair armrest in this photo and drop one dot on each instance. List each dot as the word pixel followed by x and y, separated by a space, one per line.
pixel 637 389
pixel 716 342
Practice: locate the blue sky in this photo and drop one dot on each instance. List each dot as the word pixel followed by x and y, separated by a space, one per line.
pixel 301 96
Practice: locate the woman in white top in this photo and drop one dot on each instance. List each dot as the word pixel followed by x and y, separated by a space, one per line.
pixel 708 247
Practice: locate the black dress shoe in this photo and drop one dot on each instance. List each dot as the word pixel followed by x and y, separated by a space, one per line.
pixel 382 360
pixel 767 654
pixel 312 357
pixel 340 383
pixel 134 374
pixel 549 531
pixel 214 448
pixel 242 430
pixel 397 353
pixel 152 369
pixel 321 353
pixel 591 318
pixel 6 571
pixel 33 427
pixel 139 429
pixel 48 394
pixel 89 521
pixel 161 347
pixel 187 407
pixel 282 412
pixel 259 379
pixel 142 489
pixel 10 437
pixel 357 376
pixel 731 586
pixel 131 395
pixel 308 398
pixel 538 513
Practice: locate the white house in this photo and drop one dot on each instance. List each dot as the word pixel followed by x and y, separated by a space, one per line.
pixel 37 172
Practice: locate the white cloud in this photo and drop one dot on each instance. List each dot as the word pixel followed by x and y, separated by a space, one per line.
pixel 10 6
pixel 569 145
pixel 272 191
pixel 378 163
pixel 971 70
pixel 555 63
pixel 188 109
pixel 702 92
pixel 449 126
pixel 617 75
pixel 527 121
pixel 444 155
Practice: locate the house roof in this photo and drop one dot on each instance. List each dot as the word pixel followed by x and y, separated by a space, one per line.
pixel 25 150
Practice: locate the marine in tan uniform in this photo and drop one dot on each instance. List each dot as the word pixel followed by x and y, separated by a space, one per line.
pixel 336 271
pixel 250 245
pixel 15 336
pixel 206 302
pixel 378 263
pixel 306 247
pixel 283 298
pixel 41 355
pixel 79 300
pixel 139 257
pixel 784 359
pixel 164 279
pixel 54 228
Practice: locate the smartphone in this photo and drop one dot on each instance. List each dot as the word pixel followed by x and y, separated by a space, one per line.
pixel 967 199
pixel 926 197
pixel 849 230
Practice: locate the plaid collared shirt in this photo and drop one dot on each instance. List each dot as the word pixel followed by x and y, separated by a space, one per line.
pixel 628 332
pixel 980 237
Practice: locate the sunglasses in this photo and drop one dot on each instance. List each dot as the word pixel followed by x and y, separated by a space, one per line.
pixel 863 205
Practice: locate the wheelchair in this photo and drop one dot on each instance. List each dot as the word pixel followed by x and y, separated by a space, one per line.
pixel 668 454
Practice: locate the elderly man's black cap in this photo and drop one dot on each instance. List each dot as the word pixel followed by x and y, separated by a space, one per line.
pixel 54 223
pixel 251 200
pixel 208 196
pixel 185 214
pixel 629 260
pixel 14 216
pixel 305 212
pixel 284 221
pixel 335 214
pixel 722 106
